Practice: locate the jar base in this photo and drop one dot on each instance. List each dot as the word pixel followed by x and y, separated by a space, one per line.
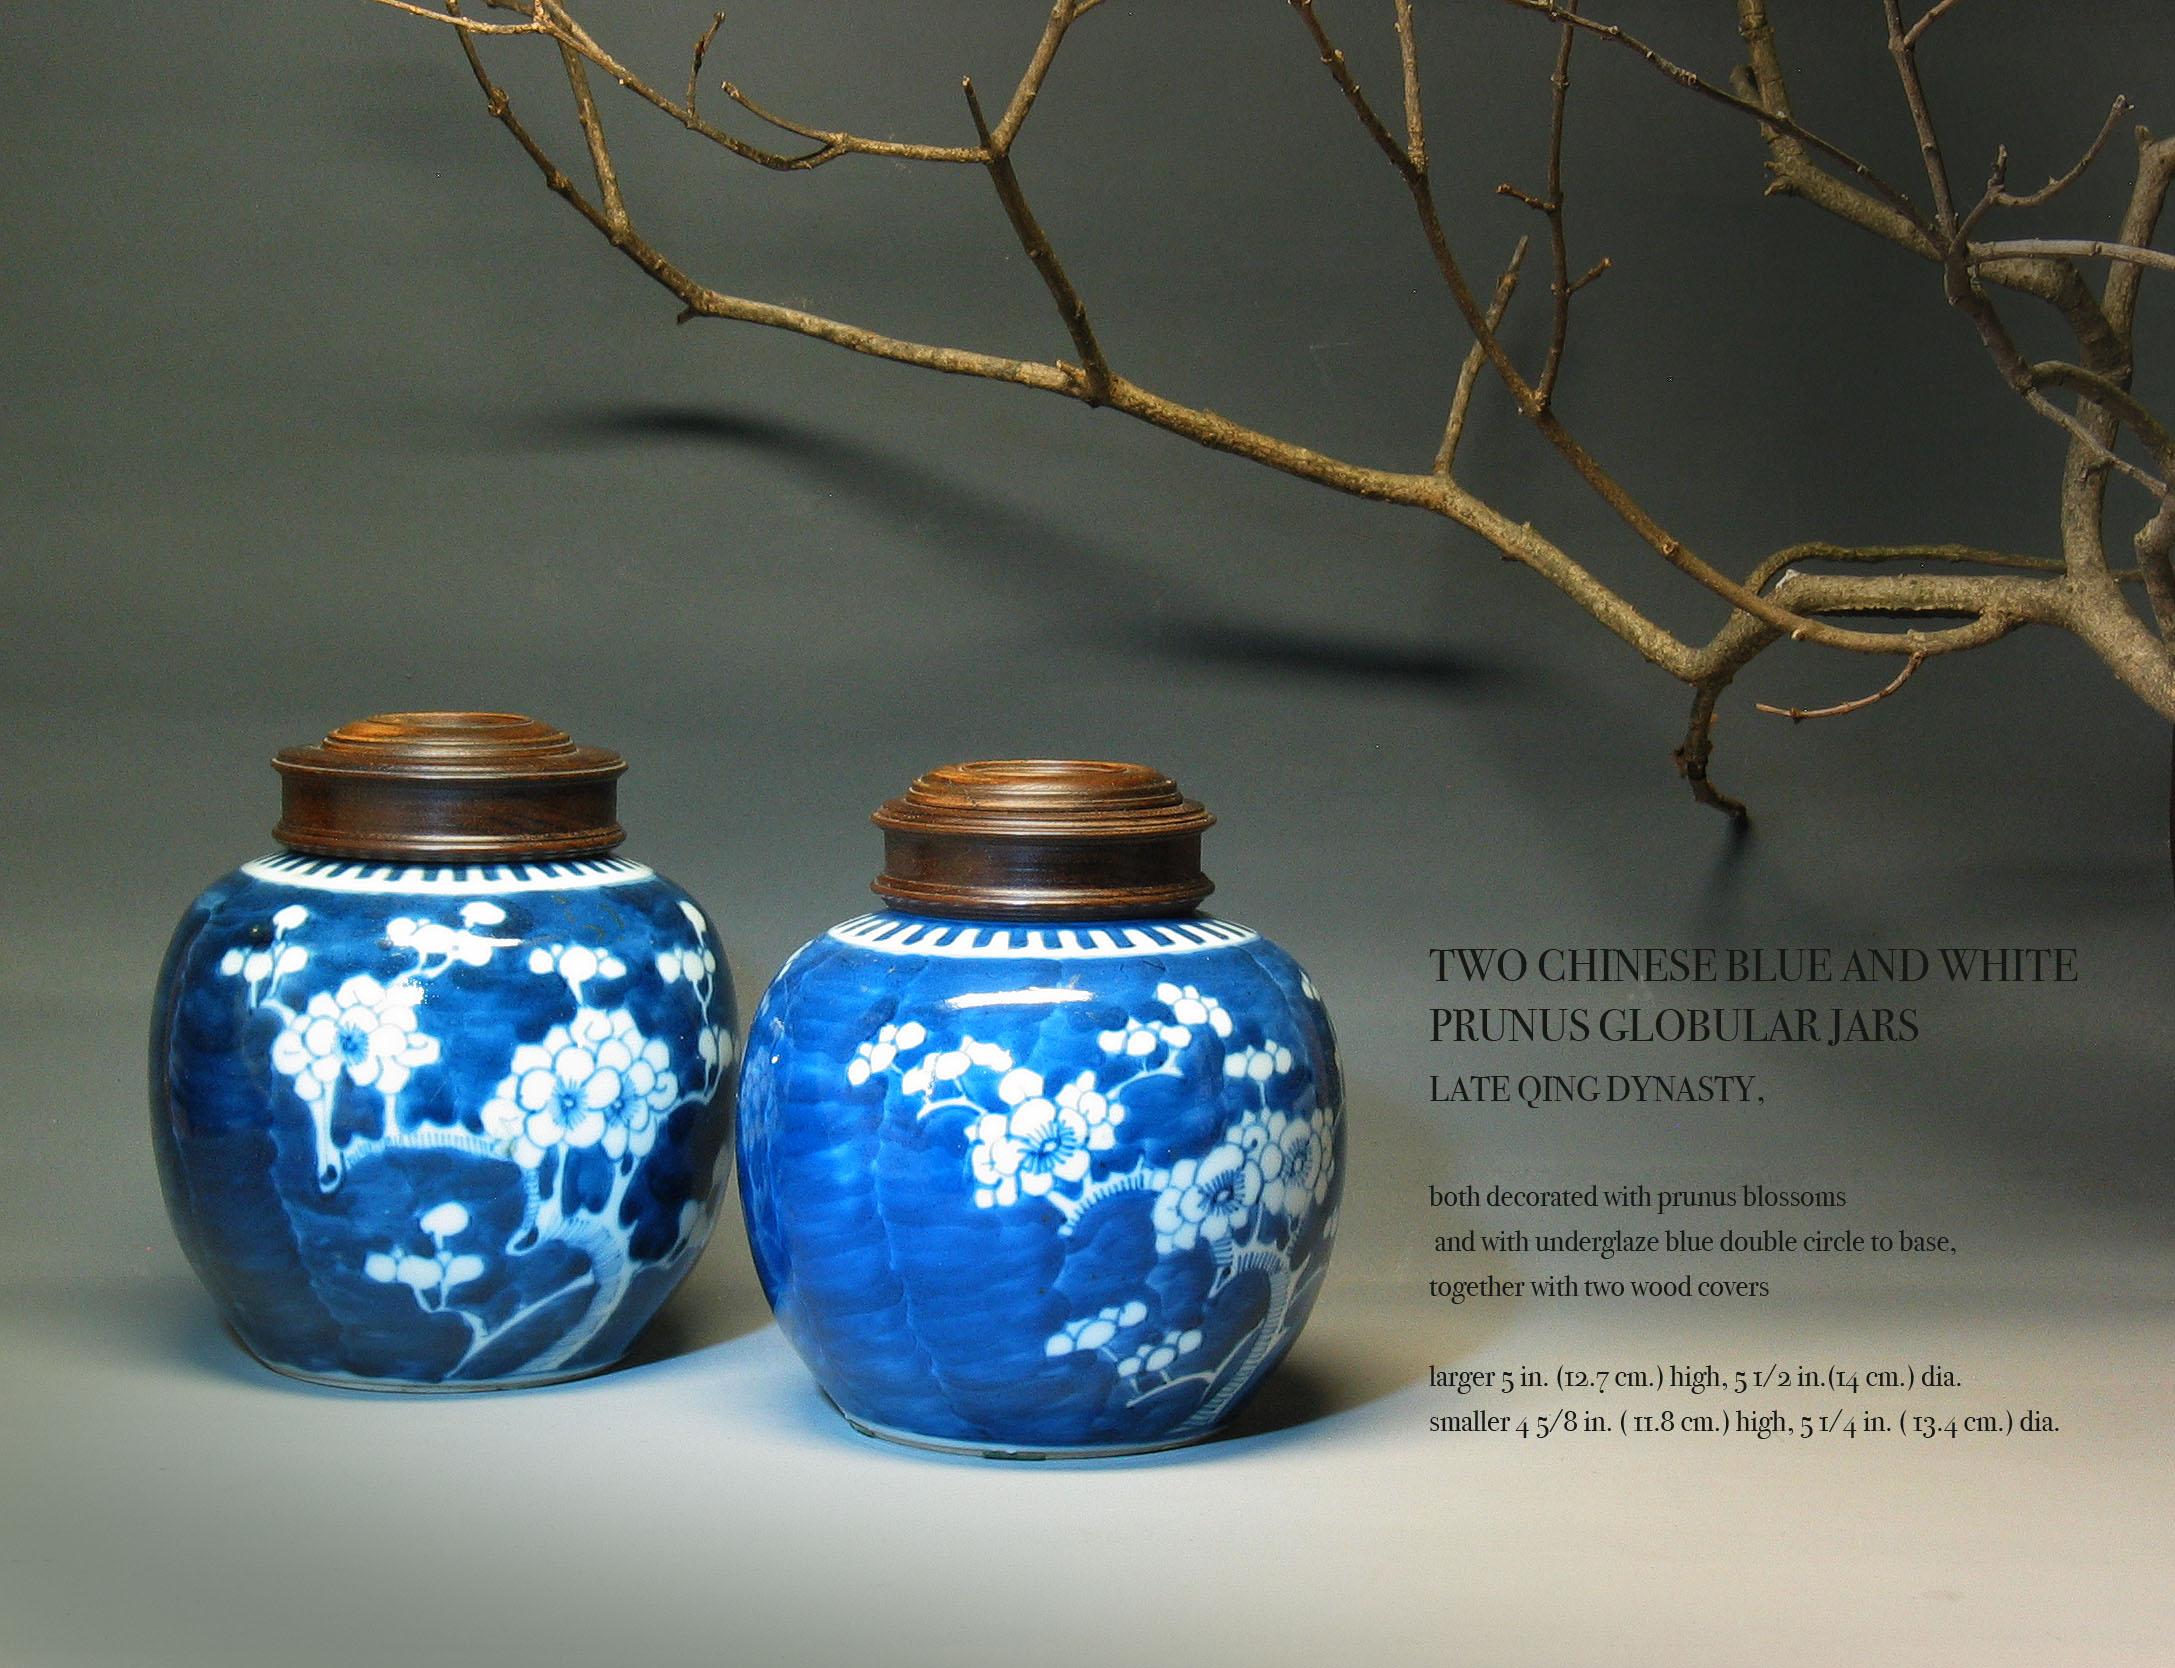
pixel 1009 1451
pixel 423 1387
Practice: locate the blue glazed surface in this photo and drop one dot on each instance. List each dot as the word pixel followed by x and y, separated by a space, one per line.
pixel 1042 1188
pixel 442 1128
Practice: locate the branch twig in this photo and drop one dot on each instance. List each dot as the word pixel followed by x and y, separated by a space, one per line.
pixel 1461 398
pixel 1798 715
pixel 1070 307
pixel 1778 119
pixel 1934 13
pixel 2081 248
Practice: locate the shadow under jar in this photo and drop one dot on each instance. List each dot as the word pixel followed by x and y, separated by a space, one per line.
pixel 1040 1162
pixel 442 1091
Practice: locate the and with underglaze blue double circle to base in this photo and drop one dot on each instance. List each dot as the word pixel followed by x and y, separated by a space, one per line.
pixel 1041 1188
pixel 423 1127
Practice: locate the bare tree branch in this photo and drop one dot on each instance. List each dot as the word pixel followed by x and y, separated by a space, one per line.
pixel 1340 71
pixel 1070 308
pixel 1902 48
pixel 1999 197
pixel 1938 10
pixel 1559 287
pixel 1843 708
pixel 1779 119
pixel 2080 248
pixel 1461 397
pixel 1905 590
pixel 592 126
pixel 1408 57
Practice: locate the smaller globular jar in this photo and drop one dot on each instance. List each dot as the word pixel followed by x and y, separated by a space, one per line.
pixel 441 1091
pixel 1040 1162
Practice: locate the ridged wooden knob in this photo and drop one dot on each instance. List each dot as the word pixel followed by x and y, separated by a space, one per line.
pixel 1043 839
pixel 470 786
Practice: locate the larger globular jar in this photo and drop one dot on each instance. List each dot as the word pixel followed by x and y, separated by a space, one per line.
pixel 1041 1162
pixel 441 1091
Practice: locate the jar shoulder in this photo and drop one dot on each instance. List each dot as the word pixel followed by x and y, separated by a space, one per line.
pixel 969 963
pixel 461 915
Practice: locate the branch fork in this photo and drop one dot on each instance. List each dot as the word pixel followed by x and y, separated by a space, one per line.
pixel 1787 595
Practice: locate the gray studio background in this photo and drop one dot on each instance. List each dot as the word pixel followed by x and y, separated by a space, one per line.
pixel 318 404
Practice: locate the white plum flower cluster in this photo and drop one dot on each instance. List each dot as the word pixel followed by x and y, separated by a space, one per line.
pixel 1190 1006
pixel 1138 1038
pixel 949 1065
pixel 1040 1141
pixel 1292 1155
pixel 1279 1161
pixel 365 1031
pixel 1159 1355
pixel 1206 1198
pixel 1191 1010
pixel 1094 1331
pixel 431 1277
pixel 1258 1065
pixel 594 1081
pixel 438 946
pixel 693 962
pixel 274 961
pixel 255 965
pixel 715 1044
pixel 577 964
pixel 1030 1138
pixel 876 1056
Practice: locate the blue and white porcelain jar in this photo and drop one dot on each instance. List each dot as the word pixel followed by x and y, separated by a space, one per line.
pixel 1041 1162
pixel 442 1092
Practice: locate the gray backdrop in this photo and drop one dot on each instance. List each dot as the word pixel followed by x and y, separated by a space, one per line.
pixel 320 405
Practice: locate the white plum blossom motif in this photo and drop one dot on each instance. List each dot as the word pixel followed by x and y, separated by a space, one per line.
pixel 365 1030
pixel 692 962
pixel 948 1065
pixel 1247 1204
pixel 577 964
pixel 593 1081
pixel 264 968
pixel 1258 1065
pixel 696 965
pixel 715 1044
pixel 1157 1355
pixel 437 946
pixel 1303 1178
pixel 1189 1006
pixel 431 1277
pixel 1031 1148
pixel 1139 1038
pixel 1206 1199
pixel 874 1057
pixel 1292 1154
pixel 1100 1112
pixel 1095 1331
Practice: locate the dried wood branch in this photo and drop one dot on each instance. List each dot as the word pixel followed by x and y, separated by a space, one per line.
pixel 1934 13
pixel 1461 397
pixel 1997 196
pixel 1986 594
pixel 2079 248
pixel 1095 368
pixel 1841 709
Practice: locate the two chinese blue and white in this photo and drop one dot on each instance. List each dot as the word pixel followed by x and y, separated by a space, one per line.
pixel 442 1128
pixel 1054 1189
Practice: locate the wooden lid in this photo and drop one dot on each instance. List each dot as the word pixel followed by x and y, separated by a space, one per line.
pixel 418 786
pixel 1038 839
